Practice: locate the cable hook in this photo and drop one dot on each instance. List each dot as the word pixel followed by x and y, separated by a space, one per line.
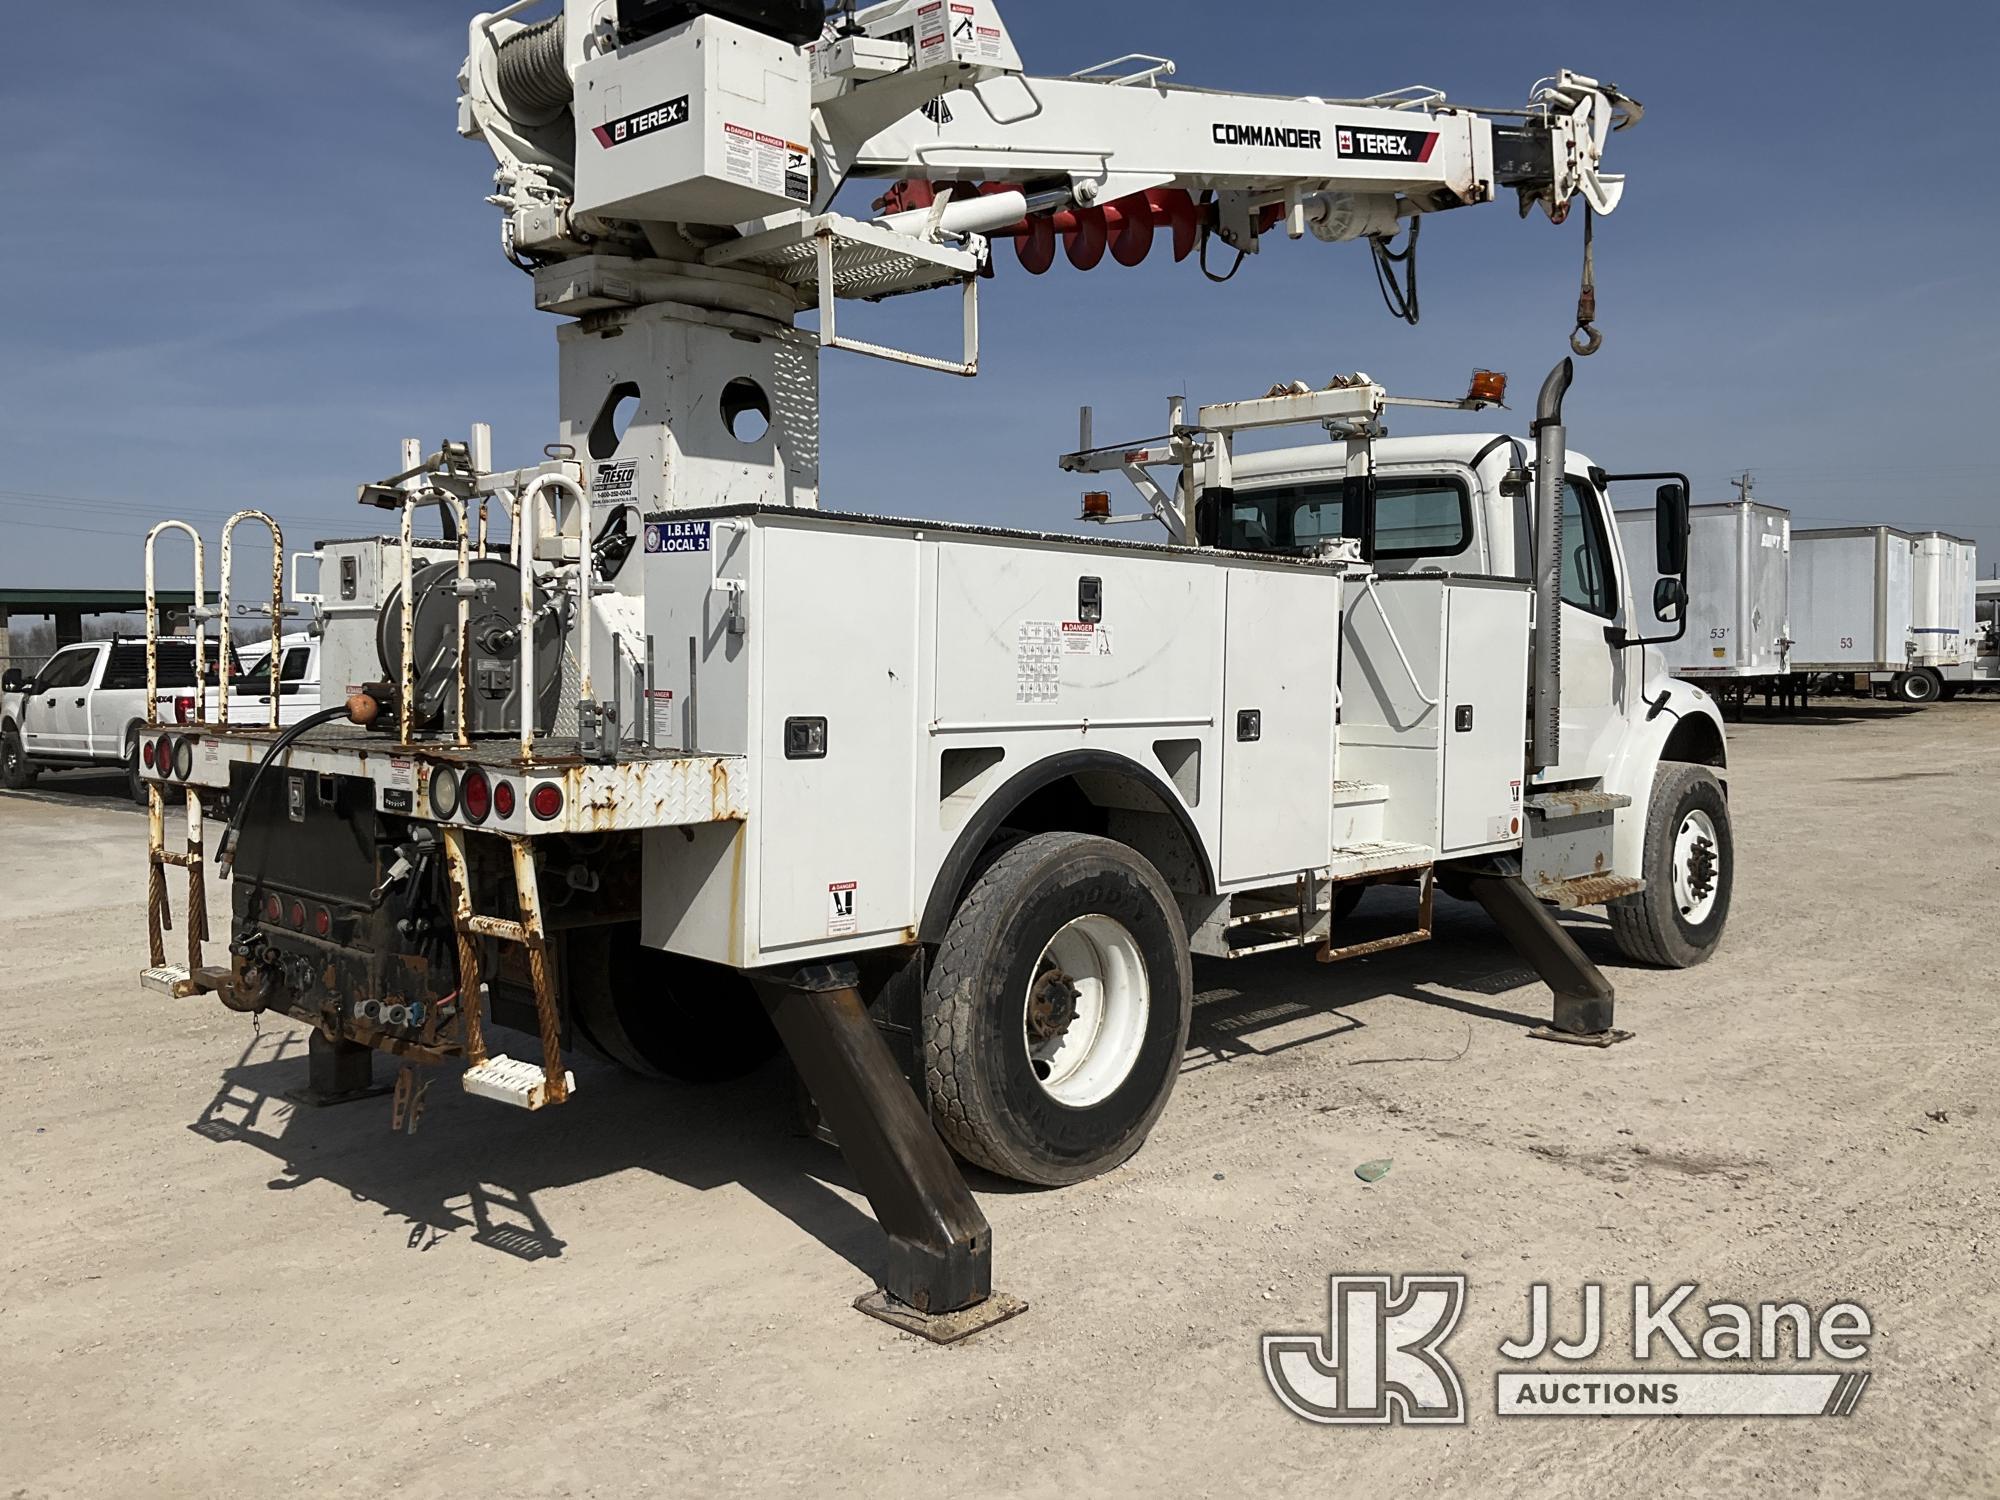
pixel 1586 340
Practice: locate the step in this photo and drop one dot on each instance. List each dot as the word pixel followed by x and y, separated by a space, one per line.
pixel 508 1080
pixel 1378 857
pixel 1358 809
pixel 174 980
pixel 1557 807
pixel 1588 890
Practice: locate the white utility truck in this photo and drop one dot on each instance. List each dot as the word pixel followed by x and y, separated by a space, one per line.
pixel 1738 640
pixel 683 755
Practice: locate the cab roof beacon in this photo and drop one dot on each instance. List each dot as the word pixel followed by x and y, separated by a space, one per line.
pixel 638 746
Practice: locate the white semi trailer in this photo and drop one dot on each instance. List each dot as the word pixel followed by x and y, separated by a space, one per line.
pixel 1739 638
pixel 1890 605
pixel 953 807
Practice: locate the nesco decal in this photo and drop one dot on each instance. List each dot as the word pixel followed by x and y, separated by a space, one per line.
pixel 1268 135
pixel 1385 145
pixel 644 123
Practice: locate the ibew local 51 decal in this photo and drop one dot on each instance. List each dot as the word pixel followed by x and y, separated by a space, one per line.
pixel 1357 144
pixel 645 122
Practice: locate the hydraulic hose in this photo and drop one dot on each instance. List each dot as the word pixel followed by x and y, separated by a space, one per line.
pixel 225 849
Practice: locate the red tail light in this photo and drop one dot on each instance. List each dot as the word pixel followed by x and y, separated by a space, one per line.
pixel 296 915
pixel 183 710
pixel 146 754
pixel 322 921
pixel 503 800
pixel 163 755
pixel 274 910
pixel 475 796
pixel 546 801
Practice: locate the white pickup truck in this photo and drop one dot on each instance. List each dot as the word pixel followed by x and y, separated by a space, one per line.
pixel 86 704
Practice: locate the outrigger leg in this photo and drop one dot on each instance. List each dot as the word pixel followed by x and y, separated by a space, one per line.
pixel 1584 999
pixel 337 1072
pixel 938 1282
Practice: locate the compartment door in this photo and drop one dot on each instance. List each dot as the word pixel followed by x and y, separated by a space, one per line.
pixel 1486 716
pixel 1281 640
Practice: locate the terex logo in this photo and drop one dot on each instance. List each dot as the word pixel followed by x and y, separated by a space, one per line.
pixel 1385 145
pixel 1379 1361
pixel 645 122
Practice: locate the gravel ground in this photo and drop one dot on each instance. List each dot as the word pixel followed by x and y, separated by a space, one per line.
pixel 205 1291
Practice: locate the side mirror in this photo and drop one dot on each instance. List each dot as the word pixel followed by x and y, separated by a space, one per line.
pixel 13 681
pixel 1670 597
pixel 1671 533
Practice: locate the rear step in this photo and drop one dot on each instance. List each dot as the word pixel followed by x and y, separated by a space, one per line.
pixel 510 1081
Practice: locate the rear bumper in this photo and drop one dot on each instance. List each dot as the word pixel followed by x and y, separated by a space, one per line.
pixel 650 791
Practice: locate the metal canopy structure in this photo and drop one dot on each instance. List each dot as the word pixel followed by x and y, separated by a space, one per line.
pixel 67 607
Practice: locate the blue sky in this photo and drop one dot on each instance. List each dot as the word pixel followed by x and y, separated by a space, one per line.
pixel 246 253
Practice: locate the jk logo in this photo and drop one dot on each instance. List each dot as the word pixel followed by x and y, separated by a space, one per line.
pixel 1379 1361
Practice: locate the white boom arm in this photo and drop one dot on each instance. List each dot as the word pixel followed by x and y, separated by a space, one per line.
pixel 658 130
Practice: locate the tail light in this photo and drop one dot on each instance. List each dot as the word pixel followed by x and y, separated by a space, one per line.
pixel 475 796
pixel 546 801
pixel 146 754
pixel 274 910
pixel 444 793
pixel 183 710
pixel 503 800
pixel 322 921
pixel 184 757
pixel 296 915
pixel 163 755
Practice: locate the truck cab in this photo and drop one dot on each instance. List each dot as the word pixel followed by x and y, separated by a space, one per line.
pixel 1463 505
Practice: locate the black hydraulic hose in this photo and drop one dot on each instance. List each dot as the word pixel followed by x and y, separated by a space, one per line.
pixel 225 849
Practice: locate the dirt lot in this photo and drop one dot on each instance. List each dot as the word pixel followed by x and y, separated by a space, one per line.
pixel 204 1291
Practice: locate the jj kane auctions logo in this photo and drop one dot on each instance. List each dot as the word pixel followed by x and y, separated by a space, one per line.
pixel 1382 1357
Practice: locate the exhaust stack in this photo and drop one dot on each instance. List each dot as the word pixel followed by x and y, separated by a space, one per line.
pixel 1551 449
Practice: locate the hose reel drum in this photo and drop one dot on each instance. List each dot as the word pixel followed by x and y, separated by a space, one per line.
pixel 493 648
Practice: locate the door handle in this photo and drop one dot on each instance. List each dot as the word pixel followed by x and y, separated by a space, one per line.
pixel 79 703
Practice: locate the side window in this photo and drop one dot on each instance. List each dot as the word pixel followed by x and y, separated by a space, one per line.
pixel 1587 575
pixel 294 669
pixel 1421 518
pixel 67 669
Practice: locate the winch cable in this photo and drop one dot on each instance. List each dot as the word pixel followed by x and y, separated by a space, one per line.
pixel 1586 341
pixel 225 849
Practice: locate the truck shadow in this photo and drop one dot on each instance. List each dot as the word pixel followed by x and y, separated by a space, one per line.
pixel 477 1169
pixel 95 789
pixel 1280 1002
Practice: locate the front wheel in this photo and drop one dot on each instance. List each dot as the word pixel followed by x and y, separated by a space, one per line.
pixel 1057 1013
pixel 1690 872
pixel 17 772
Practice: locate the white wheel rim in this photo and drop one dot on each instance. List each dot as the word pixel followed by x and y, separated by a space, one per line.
pixel 1697 868
pixel 1085 1021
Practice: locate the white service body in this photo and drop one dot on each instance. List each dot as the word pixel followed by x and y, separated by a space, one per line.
pixel 1946 568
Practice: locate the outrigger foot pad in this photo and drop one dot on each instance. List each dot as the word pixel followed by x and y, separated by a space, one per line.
pixel 941 1328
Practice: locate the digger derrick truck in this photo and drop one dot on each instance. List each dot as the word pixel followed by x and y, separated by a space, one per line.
pixel 681 766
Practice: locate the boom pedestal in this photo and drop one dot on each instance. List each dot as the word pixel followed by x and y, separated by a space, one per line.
pixel 938 1280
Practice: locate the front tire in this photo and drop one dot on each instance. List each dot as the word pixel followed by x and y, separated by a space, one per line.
pixel 1690 872
pixel 17 772
pixel 1057 1012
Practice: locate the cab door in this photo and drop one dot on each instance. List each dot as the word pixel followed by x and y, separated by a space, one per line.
pixel 1594 674
pixel 56 720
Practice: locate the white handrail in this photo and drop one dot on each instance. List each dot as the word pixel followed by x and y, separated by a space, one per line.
pixel 153 618
pixel 277 610
pixel 526 515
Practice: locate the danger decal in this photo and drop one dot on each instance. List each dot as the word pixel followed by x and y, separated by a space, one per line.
pixel 649 121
